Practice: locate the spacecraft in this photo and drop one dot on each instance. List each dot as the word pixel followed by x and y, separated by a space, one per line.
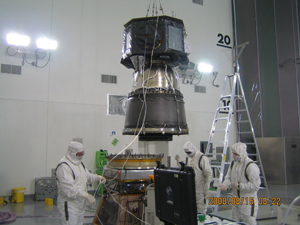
pixel 153 47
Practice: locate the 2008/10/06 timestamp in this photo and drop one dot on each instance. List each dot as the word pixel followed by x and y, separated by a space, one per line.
pixel 243 200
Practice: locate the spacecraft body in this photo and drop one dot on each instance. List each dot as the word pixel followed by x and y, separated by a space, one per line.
pixel 153 46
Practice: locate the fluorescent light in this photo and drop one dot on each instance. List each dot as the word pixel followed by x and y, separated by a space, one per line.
pixel 46 43
pixel 205 68
pixel 17 39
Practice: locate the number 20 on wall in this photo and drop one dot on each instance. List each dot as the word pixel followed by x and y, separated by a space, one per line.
pixel 224 40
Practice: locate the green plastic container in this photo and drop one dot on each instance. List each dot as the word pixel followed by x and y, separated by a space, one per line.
pixel 100 164
pixel 101 158
pixel 201 217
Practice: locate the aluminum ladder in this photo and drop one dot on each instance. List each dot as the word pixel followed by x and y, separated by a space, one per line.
pixel 232 108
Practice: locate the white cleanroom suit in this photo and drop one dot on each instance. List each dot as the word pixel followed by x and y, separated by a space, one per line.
pixel 244 180
pixel 72 180
pixel 203 174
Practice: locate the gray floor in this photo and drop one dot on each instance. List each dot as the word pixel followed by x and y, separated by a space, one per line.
pixel 32 212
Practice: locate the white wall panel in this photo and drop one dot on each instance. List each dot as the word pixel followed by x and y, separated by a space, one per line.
pixel 23 138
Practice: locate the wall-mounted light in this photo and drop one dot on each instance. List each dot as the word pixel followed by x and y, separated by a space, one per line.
pixel 205 68
pixel 189 73
pixel 17 39
pixel 16 47
pixel 45 43
pixel 192 73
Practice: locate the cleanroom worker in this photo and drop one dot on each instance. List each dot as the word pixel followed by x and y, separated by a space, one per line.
pixel 203 174
pixel 72 180
pixel 244 180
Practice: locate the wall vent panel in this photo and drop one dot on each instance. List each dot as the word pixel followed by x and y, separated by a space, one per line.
pixel 16 69
pixel 109 79
pixel 12 69
pixel 199 2
pixel 5 68
pixel 200 89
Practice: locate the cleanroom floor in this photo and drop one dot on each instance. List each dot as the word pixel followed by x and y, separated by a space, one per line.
pixel 32 212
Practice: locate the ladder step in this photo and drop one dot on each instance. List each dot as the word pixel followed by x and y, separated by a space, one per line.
pixel 239 96
pixel 219 166
pixel 229 96
pixel 245 132
pixel 216 142
pixel 215 166
pixel 214 154
pixel 222 108
pixel 225 96
pixel 243 121
pixel 219 130
pixel 221 118
pixel 240 110
pixel 252 154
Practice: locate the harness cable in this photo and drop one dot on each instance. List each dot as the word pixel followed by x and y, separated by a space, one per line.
pixel 144 106
pixel 7 217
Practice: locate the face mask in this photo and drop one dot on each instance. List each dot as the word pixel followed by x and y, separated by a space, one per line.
pixel 237 158
pixel 79 157
pixel 191 152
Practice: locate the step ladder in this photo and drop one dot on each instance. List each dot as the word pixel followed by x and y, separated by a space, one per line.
pixel 232 108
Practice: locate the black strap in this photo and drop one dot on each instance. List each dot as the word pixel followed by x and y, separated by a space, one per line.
pixel 200 161
pixel 68 165
pixel 246 175
pixel 252 209
pixel 231 165
pixel 186 161
pixel 66 211
pixel 70 168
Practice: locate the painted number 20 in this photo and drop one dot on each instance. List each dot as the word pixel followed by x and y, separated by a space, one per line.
pixel 224 39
